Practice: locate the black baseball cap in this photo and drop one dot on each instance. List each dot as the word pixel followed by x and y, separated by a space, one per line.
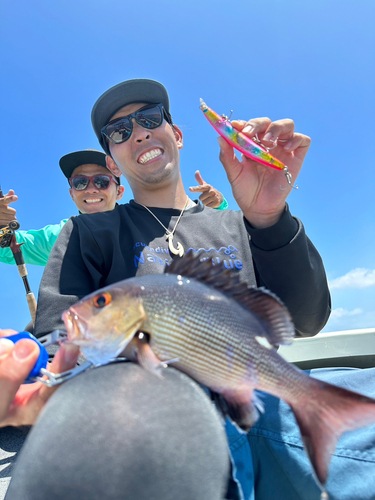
pixel 127 92
pixel 71 161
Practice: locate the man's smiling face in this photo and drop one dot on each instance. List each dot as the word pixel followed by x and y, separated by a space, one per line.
pixel 92 199
pixel 148 157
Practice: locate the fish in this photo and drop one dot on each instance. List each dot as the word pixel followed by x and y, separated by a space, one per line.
pixel 248 147
pixel 203 320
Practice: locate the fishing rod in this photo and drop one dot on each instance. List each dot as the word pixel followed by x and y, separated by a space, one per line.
pixel 8 239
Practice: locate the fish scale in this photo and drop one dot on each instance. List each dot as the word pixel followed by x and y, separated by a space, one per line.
pixel 205 330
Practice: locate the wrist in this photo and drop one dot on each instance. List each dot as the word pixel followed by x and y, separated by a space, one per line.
pixel 262 221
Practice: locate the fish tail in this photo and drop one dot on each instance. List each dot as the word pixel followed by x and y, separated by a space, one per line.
pixel 329 412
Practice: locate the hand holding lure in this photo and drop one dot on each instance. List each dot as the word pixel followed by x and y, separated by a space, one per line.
pixel 253 149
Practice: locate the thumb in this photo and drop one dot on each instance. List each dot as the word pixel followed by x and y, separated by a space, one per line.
pixel 199 178
pixel 65 359
pixel 226 156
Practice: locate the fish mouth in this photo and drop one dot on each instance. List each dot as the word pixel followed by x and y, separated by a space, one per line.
pixel 75 326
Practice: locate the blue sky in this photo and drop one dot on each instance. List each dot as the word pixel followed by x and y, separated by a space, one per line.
pixel 311 61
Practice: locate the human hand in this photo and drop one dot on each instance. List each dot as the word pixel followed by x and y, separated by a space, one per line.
pixel 7 213
pixel 256 187
pixel 21 404
pixel 210 196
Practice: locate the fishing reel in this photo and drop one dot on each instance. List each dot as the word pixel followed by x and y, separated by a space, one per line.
pixel 6 233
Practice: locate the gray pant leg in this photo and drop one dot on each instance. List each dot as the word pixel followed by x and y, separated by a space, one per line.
pixel 121 432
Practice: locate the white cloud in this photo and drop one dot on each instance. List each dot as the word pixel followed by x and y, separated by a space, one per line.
pixel 343 319
pixel 357 278
pixel 340 312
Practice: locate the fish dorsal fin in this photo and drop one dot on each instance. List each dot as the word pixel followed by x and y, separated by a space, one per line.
pixel 274 316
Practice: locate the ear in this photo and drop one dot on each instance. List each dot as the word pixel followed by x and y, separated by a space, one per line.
pixel 71 193
pixel 112 167
pixel 178 136
pixel 120 192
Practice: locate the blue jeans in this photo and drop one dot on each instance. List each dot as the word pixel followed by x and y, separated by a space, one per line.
pixel 270 461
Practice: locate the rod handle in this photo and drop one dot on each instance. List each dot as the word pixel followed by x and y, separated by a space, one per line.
pixel 31 302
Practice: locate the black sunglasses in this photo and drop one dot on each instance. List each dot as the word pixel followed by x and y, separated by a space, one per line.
pixel 150 117
pixel 80 182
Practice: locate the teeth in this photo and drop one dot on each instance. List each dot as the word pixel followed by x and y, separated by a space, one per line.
pixel 149 156
pixel 93 201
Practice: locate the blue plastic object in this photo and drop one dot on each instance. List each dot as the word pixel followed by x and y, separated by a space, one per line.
pixel 42 360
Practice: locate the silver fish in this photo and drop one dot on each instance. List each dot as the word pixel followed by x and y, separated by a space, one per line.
pixel 223 334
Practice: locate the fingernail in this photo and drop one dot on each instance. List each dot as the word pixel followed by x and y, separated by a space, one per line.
pixel 22 350
pixel 288 145
pixel 248 129
pixel 70 352
pixel 5 346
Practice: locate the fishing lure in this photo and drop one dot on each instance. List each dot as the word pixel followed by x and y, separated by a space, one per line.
pixel 252 148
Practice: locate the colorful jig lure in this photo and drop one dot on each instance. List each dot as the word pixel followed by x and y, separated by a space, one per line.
pixel 254 150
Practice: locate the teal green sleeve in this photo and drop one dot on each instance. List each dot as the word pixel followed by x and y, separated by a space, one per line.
pixel 37 245
pixel 223 206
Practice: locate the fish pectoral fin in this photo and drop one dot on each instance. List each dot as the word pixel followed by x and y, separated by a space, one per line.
pixel 239 407
pixel 146 357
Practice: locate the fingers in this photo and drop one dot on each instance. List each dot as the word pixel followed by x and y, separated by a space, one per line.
pixel 65 359
pixel 199 178
pixel 203 186
pixel 6 333
pixel 298 142
pixel 16 362
pixel 229 160
pixel 8 198
pixel 253 126
pixel 268 132
pixel 7 213
pixel 199 189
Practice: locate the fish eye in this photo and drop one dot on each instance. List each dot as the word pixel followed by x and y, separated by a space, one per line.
pixel 102 300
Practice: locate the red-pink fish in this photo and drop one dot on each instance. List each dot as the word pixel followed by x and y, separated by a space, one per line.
pixel 223 334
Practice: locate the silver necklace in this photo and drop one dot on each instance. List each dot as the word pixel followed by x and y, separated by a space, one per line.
pixel 169 234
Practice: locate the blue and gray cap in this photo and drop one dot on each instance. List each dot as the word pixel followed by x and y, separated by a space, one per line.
pixel 127 92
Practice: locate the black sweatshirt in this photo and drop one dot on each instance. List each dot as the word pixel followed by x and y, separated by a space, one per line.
pixel 97 250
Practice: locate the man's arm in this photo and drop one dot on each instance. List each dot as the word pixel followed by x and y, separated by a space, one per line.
pixel 285 259
pixel 287 263
pixel 36 244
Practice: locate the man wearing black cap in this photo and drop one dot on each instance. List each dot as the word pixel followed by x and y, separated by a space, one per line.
pixel 97 194
pixel 140 437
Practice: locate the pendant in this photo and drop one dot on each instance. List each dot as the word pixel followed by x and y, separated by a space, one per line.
pixel 176 251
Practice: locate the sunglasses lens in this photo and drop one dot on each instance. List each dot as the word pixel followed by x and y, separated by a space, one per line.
pixel 149 118
pixel 102 181
pixel 120 131
pixel 80 183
